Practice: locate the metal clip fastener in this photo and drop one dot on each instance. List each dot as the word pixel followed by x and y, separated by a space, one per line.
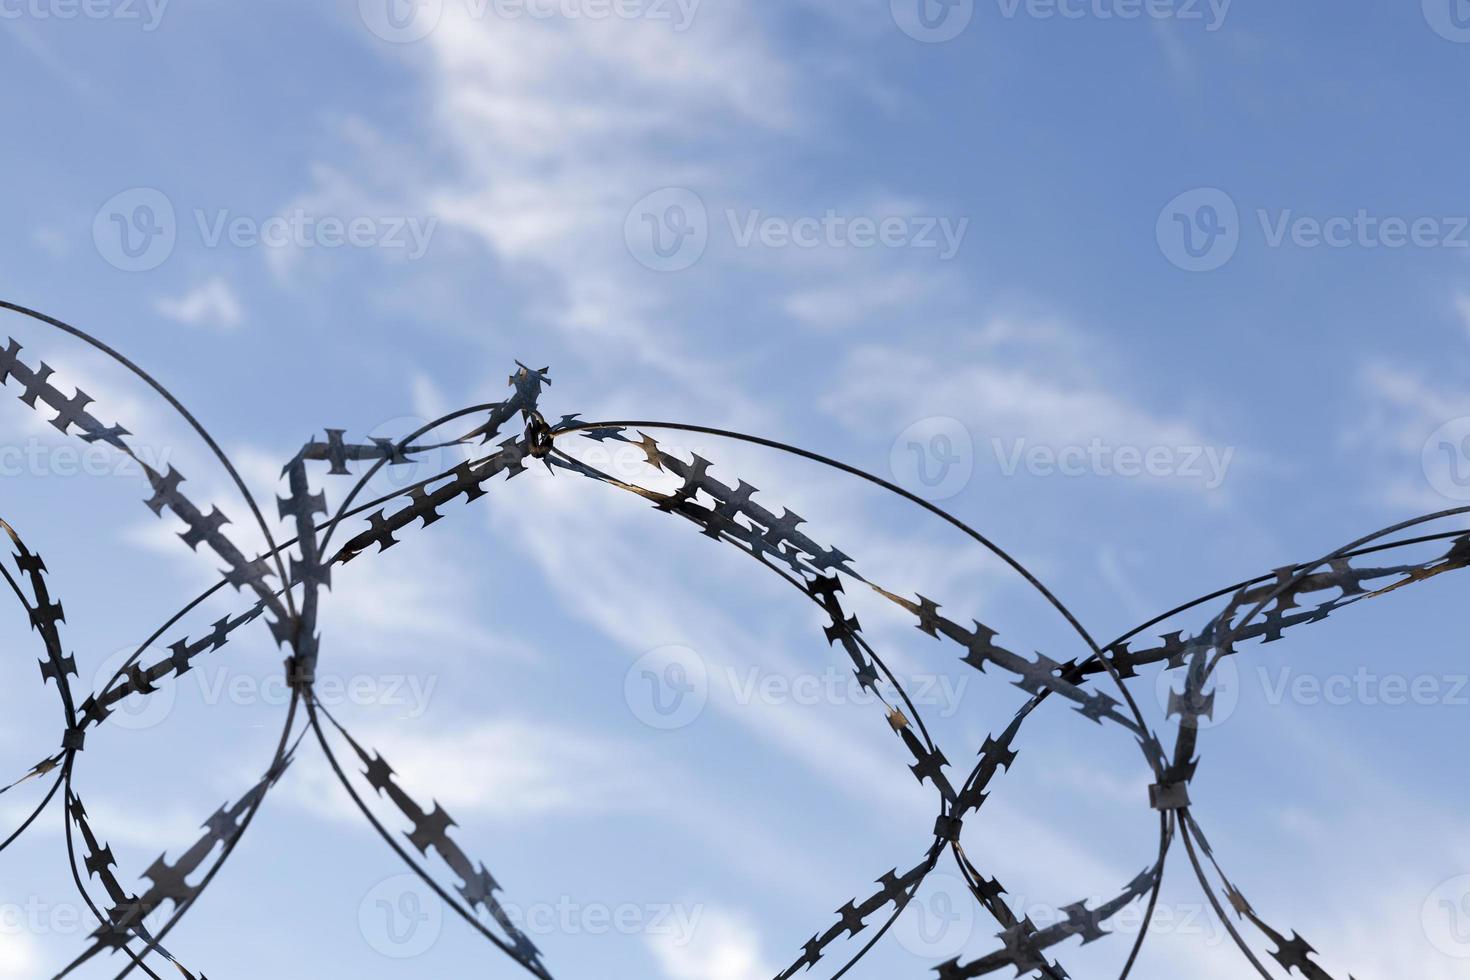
pixel 538 435
pixel 948 828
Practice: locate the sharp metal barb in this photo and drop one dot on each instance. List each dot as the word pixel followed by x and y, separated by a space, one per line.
pixel 731 511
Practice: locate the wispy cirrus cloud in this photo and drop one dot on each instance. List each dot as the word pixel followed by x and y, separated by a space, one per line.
pixel 212 303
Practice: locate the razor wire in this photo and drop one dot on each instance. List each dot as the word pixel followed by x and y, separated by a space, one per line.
pixel 285 582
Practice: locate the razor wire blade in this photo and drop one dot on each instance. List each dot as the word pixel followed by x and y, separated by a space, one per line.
pixel 284 585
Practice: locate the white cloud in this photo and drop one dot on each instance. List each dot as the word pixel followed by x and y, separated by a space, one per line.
pixel 1406 407
pixel 1402 409
pixel 414 601
pixel 1180 59
pixel 726 946
pixel 428 398
pixel 52 241
pixel 546 131
pixel 27 32
pixel 578 539
pixel 559 126
pixel 505 769
pixel 146 826
pixel 212 303
pixel 1037 381
pixel 209 486
pixel 19 957
pixel 118 397
pixel 851 302
pixel 152 827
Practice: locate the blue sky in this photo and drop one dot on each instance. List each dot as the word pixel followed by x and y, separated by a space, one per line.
pixel 1157 295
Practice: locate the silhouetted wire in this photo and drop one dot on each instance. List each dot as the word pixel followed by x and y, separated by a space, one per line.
pixel 816 571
